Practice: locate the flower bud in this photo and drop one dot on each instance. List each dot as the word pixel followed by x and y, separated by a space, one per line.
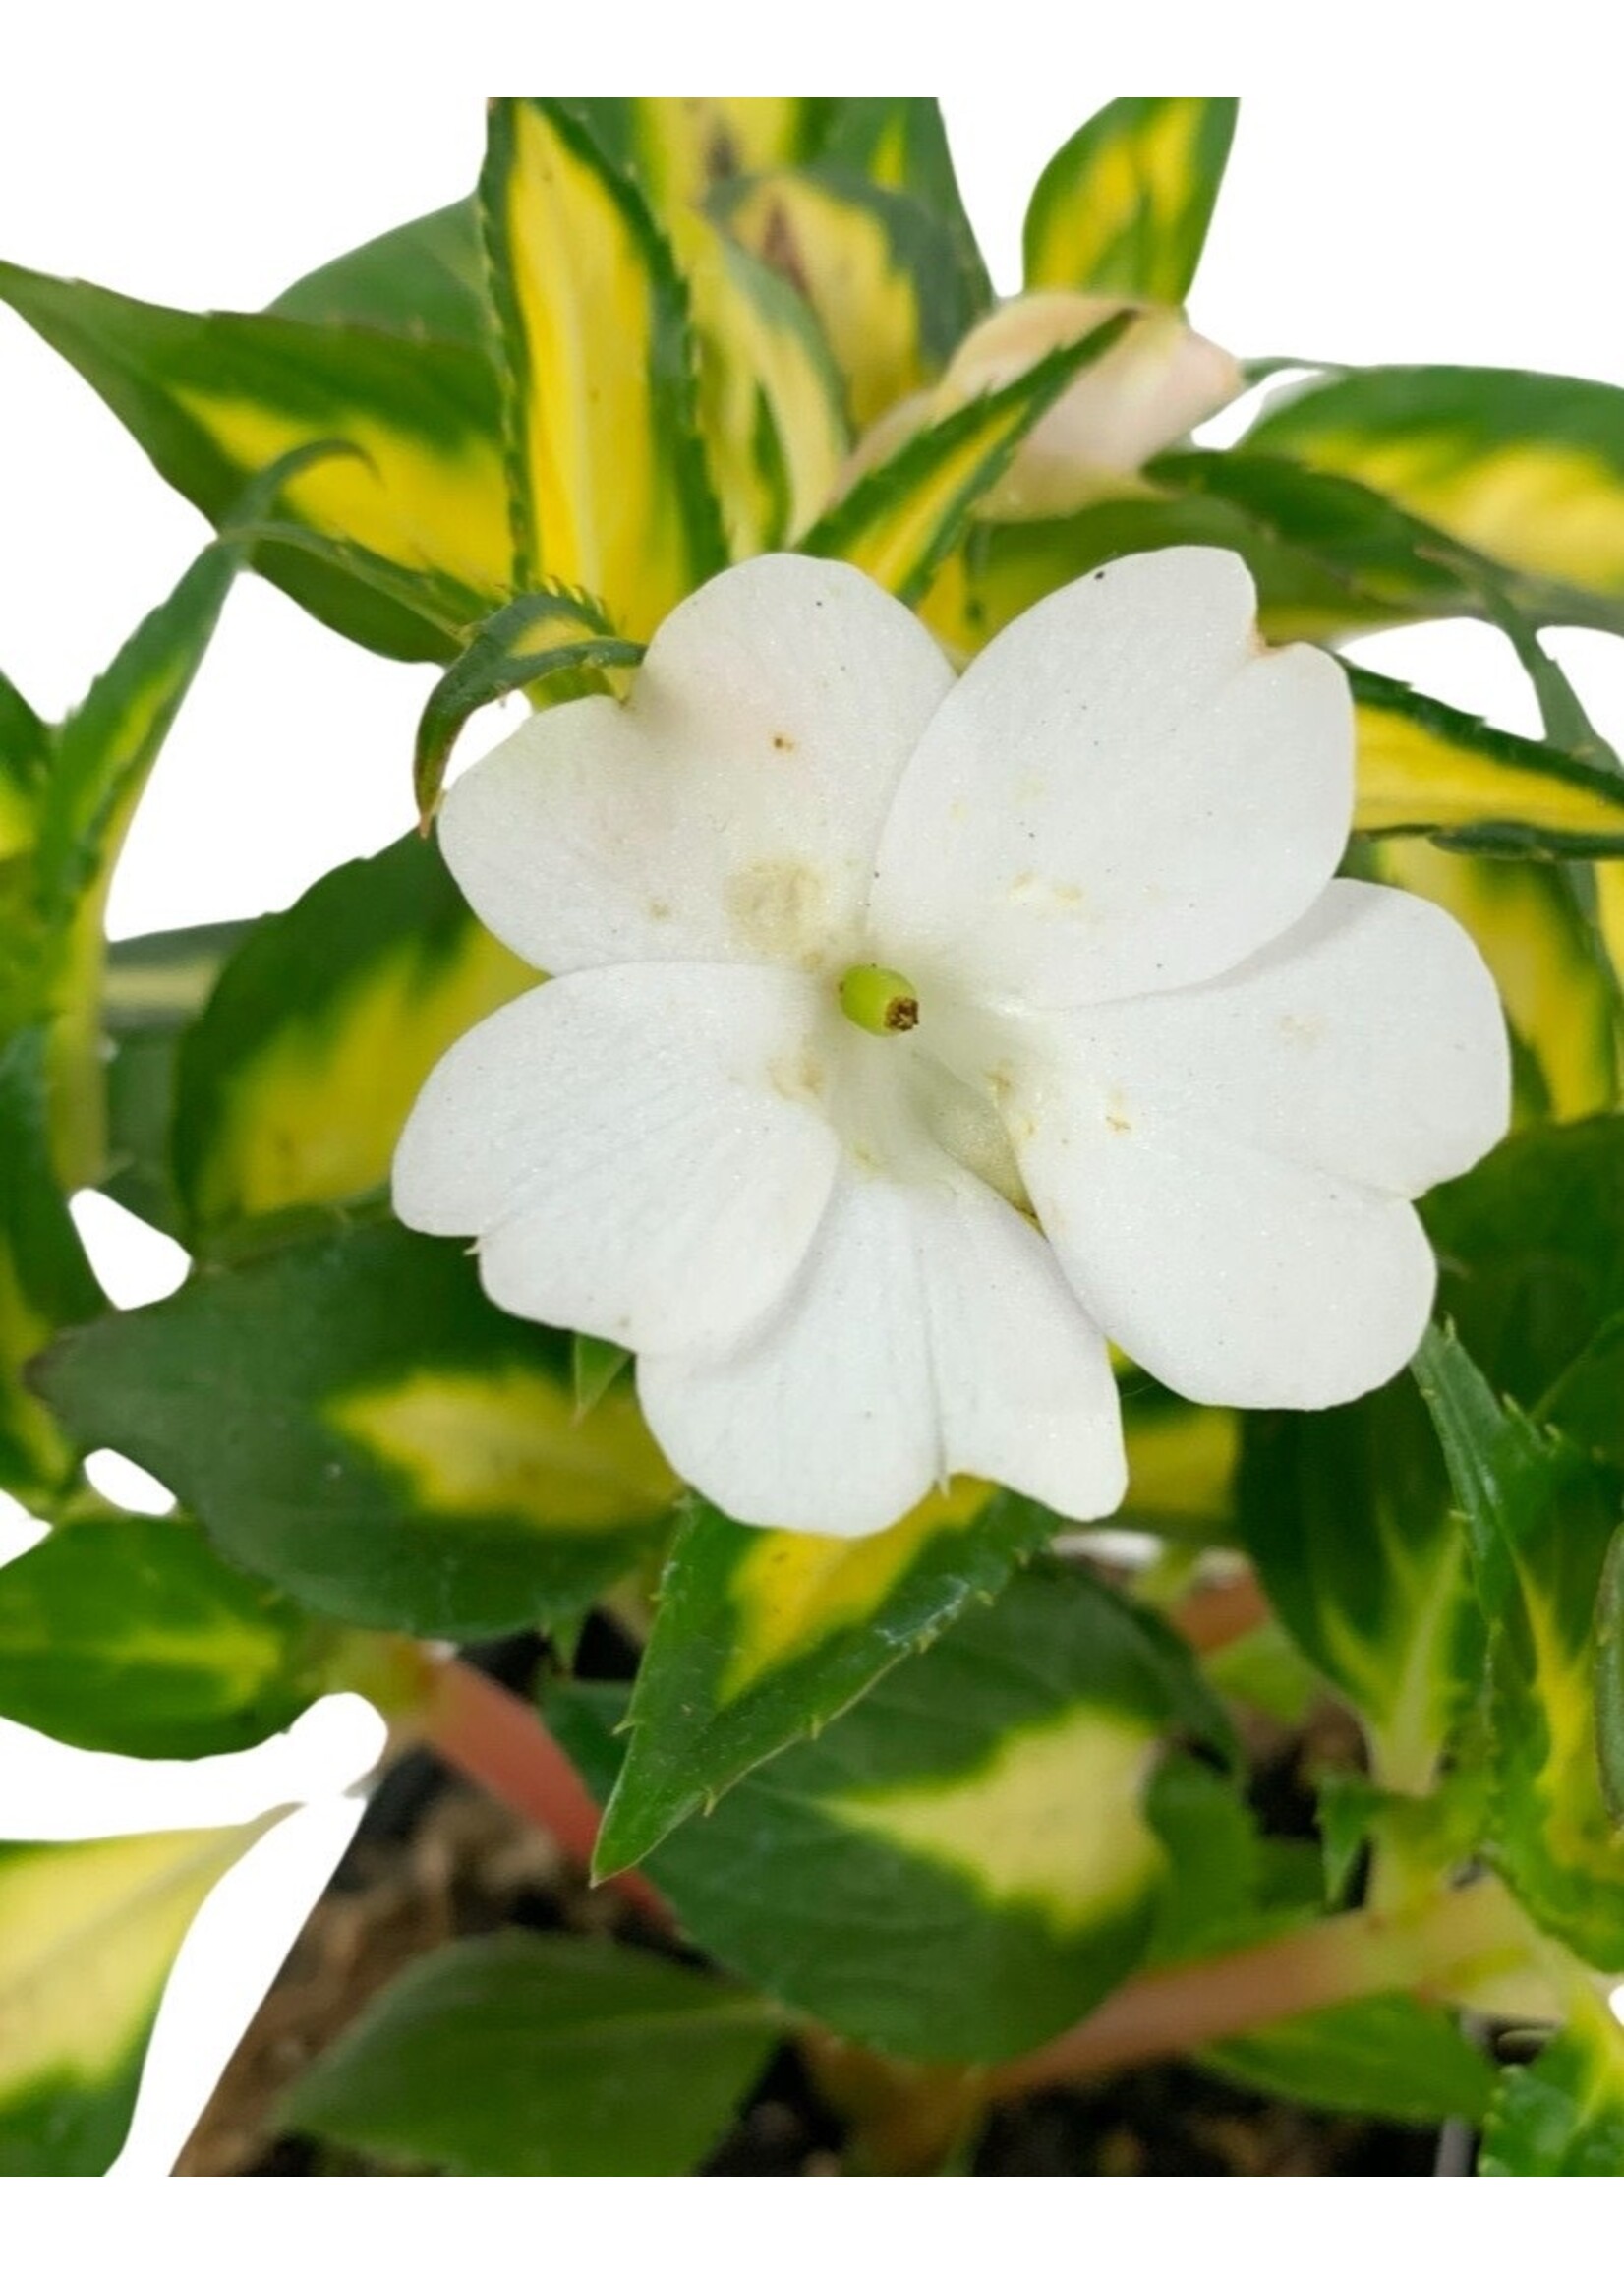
pixel 1143 394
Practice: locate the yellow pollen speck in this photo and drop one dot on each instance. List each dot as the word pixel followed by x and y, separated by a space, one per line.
pixel 777 906
pixel 1043 891
pixel 801 1078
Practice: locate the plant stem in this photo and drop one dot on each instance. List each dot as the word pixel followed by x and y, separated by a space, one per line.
pixel 1458 1942
pixel 502 1743
pixel 1464 1936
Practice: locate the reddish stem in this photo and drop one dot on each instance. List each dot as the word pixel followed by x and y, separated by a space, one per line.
pixel 502 1743
pixel 1466 1934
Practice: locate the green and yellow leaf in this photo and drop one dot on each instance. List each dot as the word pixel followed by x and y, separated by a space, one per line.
pixel 351 1419
pixel 87 1935
pixel 611 489
pixel 1540 1515
pixel 1562 2117
pixel 1347 1515
pixel 52 908
pixel 25 752
pixel 46 1280
pixel 1004 567
pixel 967 1853
pixel 214 401
pixel 770 399
pixel 1181 1461
pixel 1523 466
pixel 763 1637
pixel 682 146
pixel 574 2058
pixel 880 274
pixel 899 141
pixel 1390 561
pixel 1124 205
pixel 425 280
pixel 556 644
pixel 153 988
pixel 128 1636
pixel 1560 1000
pixel 293 1085
pixel 1425 767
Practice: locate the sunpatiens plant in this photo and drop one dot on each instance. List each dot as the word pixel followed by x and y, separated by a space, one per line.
pixel 1009 979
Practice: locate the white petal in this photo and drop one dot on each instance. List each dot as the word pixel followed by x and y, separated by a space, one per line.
pixel 1234 1278
pixel 729 809
pixel 1124 793
pixel 928 1334
pixel 640 1152
pixel 1368 1041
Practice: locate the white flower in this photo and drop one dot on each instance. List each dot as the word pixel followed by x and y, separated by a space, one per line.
pixel 917 1034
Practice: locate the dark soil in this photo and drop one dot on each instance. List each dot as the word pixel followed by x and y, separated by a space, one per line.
pixel 434 1859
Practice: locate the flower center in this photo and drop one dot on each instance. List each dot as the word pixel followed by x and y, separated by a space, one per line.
pixel 879 1001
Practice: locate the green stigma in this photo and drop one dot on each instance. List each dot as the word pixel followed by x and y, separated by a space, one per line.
pixel 879 1001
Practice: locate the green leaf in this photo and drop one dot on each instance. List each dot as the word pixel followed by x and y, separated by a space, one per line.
pixel 770 403
pixel 557 644
pixel 214 401
pixel 1540 1516
pixel 899 141
pixel 884 278
pixel 1523 466
pixel 1609 1678
pixel 763 1637
pixel 1213 1893
pixel 1424 766
pixel 25 752
pixel 153 988
pixel 543 2055
pixel 680 147
pixel 1389 2057
pixel 1124 205
pixel 351 1418
pixel 1263 1669
pixel 425 280
pixel 1386 556
pixel 961 1864
pixel 1562 2117
pixel 1532 1252
pixel 45 1279
pixel 594 1367
pixel 1538 939
pixel 1182 1462
pixel 610 486
pixel 902 520
pixel 131 1636
pixel 1004 568
pixel 293 1085
pixel 53 922
pixel 87 1935
pixel 1347 1515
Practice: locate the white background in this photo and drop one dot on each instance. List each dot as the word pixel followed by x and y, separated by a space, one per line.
pixel 1373 211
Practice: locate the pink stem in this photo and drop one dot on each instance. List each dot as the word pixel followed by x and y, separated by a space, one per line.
pixel 504 1744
